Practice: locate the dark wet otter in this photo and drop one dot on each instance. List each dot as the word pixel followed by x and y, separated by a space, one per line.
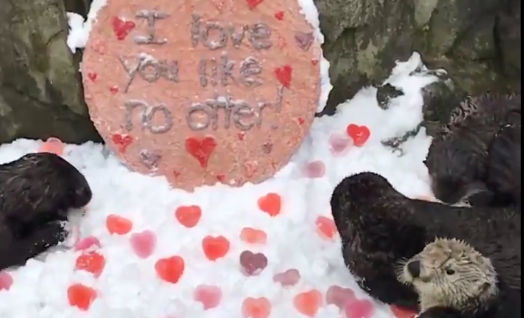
pixel 454 280
pixel 380 227
pixel 36 193
pixel 457 159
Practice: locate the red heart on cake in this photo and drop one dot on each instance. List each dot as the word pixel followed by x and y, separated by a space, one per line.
pixel 283 75
pixel 170 269
pixel 122 28
pixel 270 203
pixel 188 216
pixel 91 262
pixel 81 296
pixel 253 236
pixel 279 15
pixel 359 134
pixel 252 4
pixel 215 247
pixel 201 149
pixel 122 141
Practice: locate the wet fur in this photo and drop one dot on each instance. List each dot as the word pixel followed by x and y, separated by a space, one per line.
pixel 380 227
pixel 457 159
pixel 472 291
pixel 36 193
pixel 504 172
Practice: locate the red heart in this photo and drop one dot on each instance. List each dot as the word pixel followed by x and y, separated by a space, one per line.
pixel 314 62
pixel 256 307
pixel 6 280
pixel 188 216
pixel 301 120
pixel 143 243
pixel 270 203
pixel 279 15
pixel 91 262
pixel 201 149
pixel 209 296
pixel 92 76
pixel 215 247
pixel 241 135
pixel 402 313
pixel 359 134
pixel 326 227
pixel 252 4
pixel 122 141
pixel 359 308
pixel 122 28
pixel 314 169
pixel 283 75
pixel 221 178
pixel 81 296
pixel 253 236
pixel 170 269
pixel 339 296
pixel 287 278
pixel 113 89
pixel 118 225
pixel 87 243
pixel 308 303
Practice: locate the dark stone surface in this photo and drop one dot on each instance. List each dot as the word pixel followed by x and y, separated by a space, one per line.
pixel 40 88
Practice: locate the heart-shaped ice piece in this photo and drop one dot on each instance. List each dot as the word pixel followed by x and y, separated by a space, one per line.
pixel 209 296
pixel 339 296
pixel 143 243
pixel 252 263
pixel 287 278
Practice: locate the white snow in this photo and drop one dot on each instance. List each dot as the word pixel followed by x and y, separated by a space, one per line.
pixel 129 287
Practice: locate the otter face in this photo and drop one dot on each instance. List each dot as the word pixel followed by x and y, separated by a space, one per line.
pixel 450 273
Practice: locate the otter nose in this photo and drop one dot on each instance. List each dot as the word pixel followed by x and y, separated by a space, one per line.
pixel 414 268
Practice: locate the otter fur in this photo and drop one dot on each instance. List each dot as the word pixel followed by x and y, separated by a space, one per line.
pixel 504 173
pixel 453 279
pixel 37 191
pixel 379 227
pixel 458 156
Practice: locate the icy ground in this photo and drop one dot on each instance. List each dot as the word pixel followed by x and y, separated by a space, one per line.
pixel 298 236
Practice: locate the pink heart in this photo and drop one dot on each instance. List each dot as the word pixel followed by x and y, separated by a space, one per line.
pixel 287 278
pixel 6 280
pixel 209 296
pixel 339 296
pixel 359 308
pixel 314 169
pixel 143 243
pixel 86 243
pixel 339 144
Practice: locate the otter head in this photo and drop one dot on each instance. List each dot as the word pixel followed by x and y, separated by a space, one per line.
pixel 451 273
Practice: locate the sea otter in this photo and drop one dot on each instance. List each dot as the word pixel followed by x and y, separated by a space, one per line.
pixel 37 191
pixel 458 156
pixel 379 227
pixel 454 280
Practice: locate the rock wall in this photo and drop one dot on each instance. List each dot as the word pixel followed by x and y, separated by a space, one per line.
pixel 40 88
pixel 477 41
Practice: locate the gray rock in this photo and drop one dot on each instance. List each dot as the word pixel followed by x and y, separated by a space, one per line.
pixel 40 89
pixel 476 42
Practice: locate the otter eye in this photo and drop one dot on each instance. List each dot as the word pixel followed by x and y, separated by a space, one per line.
pixel 449 271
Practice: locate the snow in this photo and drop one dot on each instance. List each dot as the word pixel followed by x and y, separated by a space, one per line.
pixel 129 286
